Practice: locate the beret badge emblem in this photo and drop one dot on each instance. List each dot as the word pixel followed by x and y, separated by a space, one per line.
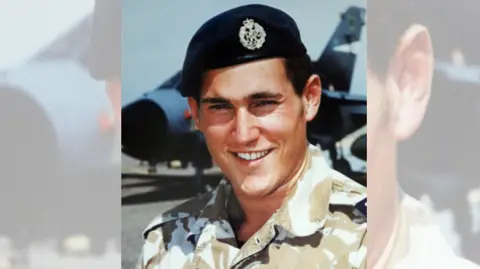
pixel 252 35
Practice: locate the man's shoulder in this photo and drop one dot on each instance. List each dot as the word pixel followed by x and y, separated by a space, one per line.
pixel 346 222
pixel 347 210
pixel 166 222
pixel 346 191
pixel 171 227
pixel 345 194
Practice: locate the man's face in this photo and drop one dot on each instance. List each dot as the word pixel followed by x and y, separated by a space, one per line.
pixel 380 129
pixel 396 106
pixel 397 101
pixel 254 124
pixel 381 142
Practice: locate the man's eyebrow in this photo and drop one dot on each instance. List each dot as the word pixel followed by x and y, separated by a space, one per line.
pixel 253 96
pixel 264 95
pixel 213 100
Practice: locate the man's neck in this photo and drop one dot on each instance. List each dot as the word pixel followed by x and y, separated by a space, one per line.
pixel 257 210
pixel 384 215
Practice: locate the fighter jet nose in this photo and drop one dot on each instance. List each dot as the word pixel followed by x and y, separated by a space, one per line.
pixel 153 124
pixel 144 129
pixel 28 134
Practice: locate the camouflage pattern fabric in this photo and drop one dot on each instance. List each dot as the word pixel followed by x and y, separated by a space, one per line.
pixel 318 226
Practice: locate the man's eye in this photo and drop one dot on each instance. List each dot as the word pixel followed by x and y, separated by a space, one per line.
pixel 265 103
pixel 218 107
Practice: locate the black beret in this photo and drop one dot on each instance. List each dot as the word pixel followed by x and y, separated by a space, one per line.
pixel 243 34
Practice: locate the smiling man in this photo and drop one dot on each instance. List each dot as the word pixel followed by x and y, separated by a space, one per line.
pixel 251 89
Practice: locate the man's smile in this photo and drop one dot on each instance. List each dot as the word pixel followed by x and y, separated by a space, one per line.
pixel 252 155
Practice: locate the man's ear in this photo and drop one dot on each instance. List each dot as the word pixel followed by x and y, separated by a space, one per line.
pixel 194 109
pixel 410 80
pixel 311 97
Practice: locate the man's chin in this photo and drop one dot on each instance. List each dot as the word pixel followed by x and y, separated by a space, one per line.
pixel 256 187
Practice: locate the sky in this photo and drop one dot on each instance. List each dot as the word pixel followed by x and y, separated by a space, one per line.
pixel 40 23
pixel 156 34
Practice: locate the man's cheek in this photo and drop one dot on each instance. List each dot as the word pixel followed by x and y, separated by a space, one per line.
pixel 213 136
pixel 278 123
pixel 274 130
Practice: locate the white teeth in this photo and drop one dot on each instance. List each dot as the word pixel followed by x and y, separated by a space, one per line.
pixel 252 156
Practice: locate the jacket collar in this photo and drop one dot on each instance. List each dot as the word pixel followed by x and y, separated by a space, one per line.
pixel 302 214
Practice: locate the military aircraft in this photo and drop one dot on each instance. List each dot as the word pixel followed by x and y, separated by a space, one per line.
pixel 157 127
pixel 57 130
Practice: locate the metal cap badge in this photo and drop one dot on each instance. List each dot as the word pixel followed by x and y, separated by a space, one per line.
pixel 252 35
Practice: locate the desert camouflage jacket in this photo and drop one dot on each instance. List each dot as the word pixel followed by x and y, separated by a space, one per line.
pixel 319 226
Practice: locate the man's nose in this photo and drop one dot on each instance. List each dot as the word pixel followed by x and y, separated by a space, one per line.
pixel 246 129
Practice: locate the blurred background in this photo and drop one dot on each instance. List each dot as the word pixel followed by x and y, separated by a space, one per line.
pixel 439 164
pixel 60 146
pixel 165 160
